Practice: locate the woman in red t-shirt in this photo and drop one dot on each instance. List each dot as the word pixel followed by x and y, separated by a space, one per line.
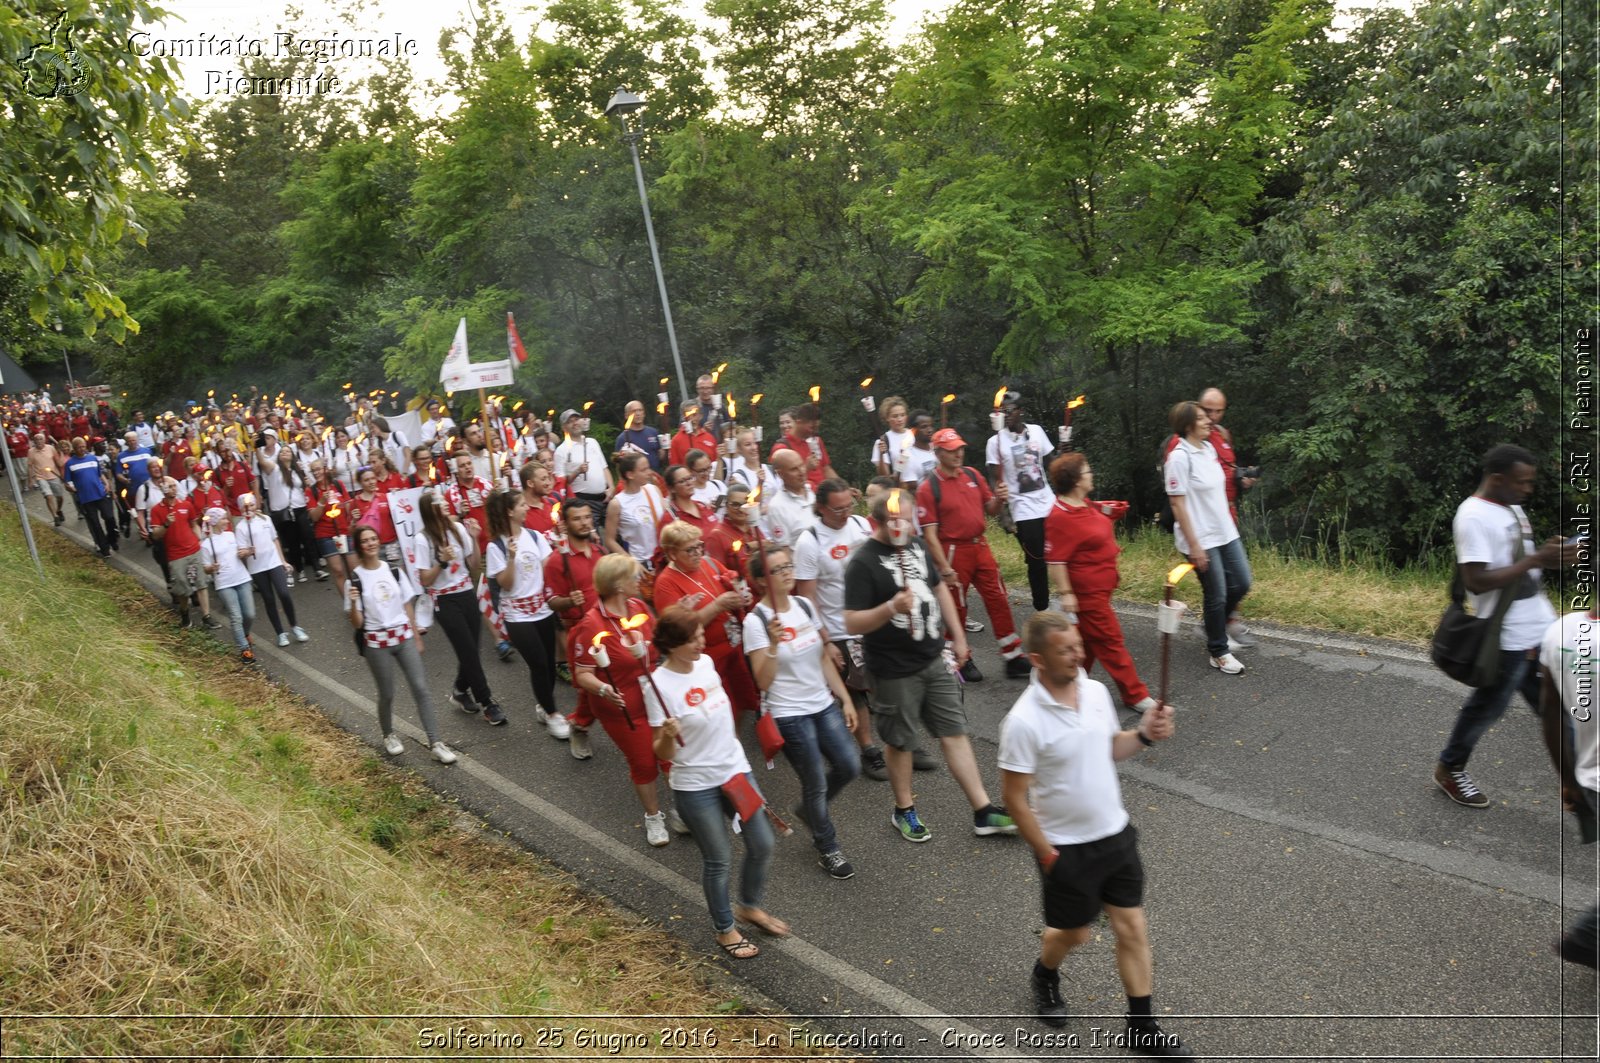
pixel 694 580
pixel 615 695
pixel 370 505
pixel 388 478
pixel 328 506
pixel 1081 550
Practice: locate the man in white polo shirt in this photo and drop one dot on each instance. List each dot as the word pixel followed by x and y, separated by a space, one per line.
pixel 1058 748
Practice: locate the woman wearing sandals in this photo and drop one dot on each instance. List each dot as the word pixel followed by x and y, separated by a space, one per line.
pixel 378 605
pixel 710 778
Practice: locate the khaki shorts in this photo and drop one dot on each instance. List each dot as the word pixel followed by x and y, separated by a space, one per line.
pixel 54 488
pixel 932 696
pixel 186 577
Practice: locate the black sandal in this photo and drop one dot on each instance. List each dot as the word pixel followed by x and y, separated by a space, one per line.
pixel 742 949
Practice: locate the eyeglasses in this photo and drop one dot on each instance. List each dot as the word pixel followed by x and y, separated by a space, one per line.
pixel 839 511
pixel 781 570
pixel 681 480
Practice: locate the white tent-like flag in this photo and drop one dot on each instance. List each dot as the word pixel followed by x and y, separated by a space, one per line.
pixel 456 373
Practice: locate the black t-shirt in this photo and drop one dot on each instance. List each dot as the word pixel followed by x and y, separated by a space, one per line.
pixel 874 575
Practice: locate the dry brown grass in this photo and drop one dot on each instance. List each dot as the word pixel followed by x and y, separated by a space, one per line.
pixel 178 836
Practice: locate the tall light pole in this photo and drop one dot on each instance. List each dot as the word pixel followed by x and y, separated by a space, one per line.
pixel 623 103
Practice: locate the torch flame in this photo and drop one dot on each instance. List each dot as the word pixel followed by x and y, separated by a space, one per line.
pixel 816 392
pixel 733 407
pixel 947 400
pixel 1178 573
pixel 663 381
pixel 555 513
pixel 587 405
pixel 894 504
pixel 211 394
pixel 334 512
pixel 736 546
pixel 1075 403
pixel 601 638
pixel 755 400
pixel 755 496
pixel 720 368
pixel 867 383
pixel 635 621
pixel 347 385
pixel 661 409
pixel 716 375
pixel 999 396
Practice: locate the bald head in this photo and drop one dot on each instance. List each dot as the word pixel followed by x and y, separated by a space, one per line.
pixel 1215 403
pixel 790 467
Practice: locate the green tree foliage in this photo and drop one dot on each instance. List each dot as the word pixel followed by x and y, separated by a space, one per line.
pixel 84 117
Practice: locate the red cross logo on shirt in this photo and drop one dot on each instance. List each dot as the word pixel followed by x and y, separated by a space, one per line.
pixel 695 696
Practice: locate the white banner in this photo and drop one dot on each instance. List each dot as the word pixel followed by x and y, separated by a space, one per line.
pixel 492 374
pixel 405 511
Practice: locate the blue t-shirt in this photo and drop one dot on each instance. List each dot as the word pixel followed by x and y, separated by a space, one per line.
pixel 642 439
pixel 135 465
pixel 84 473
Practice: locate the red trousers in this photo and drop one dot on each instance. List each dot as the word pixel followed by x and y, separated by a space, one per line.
pixel 975 566
pixel 734 671
pixel 630 732
pixel 1102 641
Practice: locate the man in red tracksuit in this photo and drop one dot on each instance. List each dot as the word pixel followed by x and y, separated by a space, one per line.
pixel 953 503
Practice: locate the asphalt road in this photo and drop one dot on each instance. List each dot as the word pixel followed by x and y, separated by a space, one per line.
pixel 1311 893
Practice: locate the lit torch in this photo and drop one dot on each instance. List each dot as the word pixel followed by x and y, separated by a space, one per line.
pixel 1066 425
pixel 815 391
pixel 1167 622
pixel 634 642
pixel 755 413
pixel 944 410
pixel 997 420
pixel 900 539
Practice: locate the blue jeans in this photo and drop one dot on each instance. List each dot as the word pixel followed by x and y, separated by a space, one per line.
pixel 1488 704
pixel 1225 582
pixel 807 742
pixel 240 602
pixel 705 813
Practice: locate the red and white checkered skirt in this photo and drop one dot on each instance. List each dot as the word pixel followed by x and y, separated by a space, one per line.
pixel 384 638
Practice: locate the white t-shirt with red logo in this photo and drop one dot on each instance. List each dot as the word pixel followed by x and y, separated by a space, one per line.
pixel 710 754
pixel 455 576
pixel 527 600
pixel 383 597
pixel 820 554
pixel 798 688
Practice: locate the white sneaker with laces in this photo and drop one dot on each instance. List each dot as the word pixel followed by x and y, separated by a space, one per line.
pixel 578 744
pixel 555 723
pixel 1143 705
pixel 655 830
pixel 675 821
pixel 443 753
pixel 283 638
pixel 300 634
pixel 393 746
pixel 1227 664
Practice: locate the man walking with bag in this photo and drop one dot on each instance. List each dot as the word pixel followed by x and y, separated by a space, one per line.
pixel 1495 557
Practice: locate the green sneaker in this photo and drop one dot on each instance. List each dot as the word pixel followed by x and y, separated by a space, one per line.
pixel 993 820
pixel 910 827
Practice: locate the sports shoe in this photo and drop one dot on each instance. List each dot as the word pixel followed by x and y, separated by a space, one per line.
pixel 1571 951
pixel 555 723
pixel 655 830
pixel 1239 633
pixel 1149 1039
pixel 1460 787
pixel 836 865
pixel 909 826
pixel 493 714
pixel 1227 664
pixel 1019 667
pixel 675 822
pixel 973 624
pixel 462 700
pixel 247 656
pixel 1234 645
pixel 563 673
pixel 922 760
pixel 283 638
pixel 872 765
pixel 210 621
pixel 1144 704
pixel 322 575
pixel 185 620
pixel 300 634
pixel 393 746
pixel 578 744
pixel 970 673
pixel 1047 1002
pixel 993 820
pixel 443 753
pixel 503 650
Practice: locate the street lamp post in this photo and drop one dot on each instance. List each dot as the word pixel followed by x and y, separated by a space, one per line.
pixel 623 103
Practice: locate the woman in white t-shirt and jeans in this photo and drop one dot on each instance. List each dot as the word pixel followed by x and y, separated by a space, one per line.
pixel 219 556
pixel 806 696
pixel 515 559
pixel 262 553
pixel 378 605
pixel 710 777
pixel 1204 529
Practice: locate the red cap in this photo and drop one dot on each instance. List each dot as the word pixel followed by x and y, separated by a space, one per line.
pixel 947 439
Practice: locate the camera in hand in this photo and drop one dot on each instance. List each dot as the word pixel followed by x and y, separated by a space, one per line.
pixel 1247 472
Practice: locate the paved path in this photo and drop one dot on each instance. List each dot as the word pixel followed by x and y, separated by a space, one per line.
pixel 1311 893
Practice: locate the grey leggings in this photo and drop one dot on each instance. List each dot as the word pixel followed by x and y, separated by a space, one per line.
pixel 383 662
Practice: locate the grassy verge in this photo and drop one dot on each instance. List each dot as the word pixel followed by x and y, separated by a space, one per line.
pixel 181 837
pixel 1356 596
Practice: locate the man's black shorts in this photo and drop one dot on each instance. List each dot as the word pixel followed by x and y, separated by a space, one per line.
pixel 1091 874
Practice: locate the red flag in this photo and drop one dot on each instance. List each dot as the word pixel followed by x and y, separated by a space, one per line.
pixel 519 354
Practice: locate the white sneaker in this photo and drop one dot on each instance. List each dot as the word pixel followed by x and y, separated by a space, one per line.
pixel 393 746
pixel 283 638
pixel 1239 634
pixel 675 821
pixel 1227 664
pixel 443 753
pixel 300 634
pixel 1144 705
pixel 555 723
pixel 578 744
pixel 1234 645
pixel 655 830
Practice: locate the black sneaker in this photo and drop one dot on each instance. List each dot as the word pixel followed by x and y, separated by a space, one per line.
pixel 1149 1039
pixel 493 714
pixel 462 700
pixel 872 765
pixel 1460 788
pixel 563 673
pixel 922 760
pixel 1018 668
pixel 209 621
pixel 1569 949
pixel 836 865
pixel 970 673
pixel 1047 1003
pixel 502 650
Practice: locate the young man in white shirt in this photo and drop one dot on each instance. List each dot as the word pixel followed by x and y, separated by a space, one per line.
pixel 1058 777
pixel 1019 454
pixel 1496 555
pixel 581 461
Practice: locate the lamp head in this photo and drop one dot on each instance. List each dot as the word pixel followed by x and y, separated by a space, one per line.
pixel 623 102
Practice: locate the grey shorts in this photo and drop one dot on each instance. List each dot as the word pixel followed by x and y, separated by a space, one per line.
pixel 931 696
pixel 53 488
pixel 185 577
